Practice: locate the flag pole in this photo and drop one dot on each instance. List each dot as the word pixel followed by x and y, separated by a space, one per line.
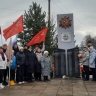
pixel 9 66
pixel 9 74
pixel 1 40
pixel 1 36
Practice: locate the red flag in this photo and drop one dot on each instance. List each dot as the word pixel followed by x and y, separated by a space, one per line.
pixel 15 28
pixel 39 37
pixel 0 29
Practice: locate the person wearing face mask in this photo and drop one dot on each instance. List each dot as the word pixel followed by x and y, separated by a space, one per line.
pixel 85 62
pixel 20 56
pixel 46 65
pixel 30 63
pixel 3 63
pixel 92 62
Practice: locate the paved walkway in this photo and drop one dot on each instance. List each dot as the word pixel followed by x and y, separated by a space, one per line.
pixel 56 87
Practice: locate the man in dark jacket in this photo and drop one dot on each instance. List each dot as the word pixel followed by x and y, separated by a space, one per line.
pixel 30 62
pixel 20 56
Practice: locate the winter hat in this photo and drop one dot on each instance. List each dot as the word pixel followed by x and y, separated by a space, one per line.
pixel 89 41
pixel 91 47
pixel 46 52
pixel 29 47
pixel 4 45
pixel 85 47
pixel 25 46
pixel 21 48
pixel 36 46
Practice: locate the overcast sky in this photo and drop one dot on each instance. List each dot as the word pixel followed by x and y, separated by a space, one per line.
pixel 84 13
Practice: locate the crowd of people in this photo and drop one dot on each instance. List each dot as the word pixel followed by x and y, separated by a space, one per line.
pixel 88 62
pixel 25 65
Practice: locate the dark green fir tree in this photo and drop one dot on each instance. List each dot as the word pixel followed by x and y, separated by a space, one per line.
pixel 34 21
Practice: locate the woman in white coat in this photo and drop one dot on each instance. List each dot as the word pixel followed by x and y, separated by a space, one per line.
pixel 3 63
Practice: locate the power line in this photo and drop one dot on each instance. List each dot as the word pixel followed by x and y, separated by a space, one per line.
pixel 75 16
pixel 11 9
pixel 16 10
pixel 14 4
pixel 58 6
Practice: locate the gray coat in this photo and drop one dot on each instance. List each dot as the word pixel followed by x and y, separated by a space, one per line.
pixel 92 58
pixel 46 65
pixel 85 58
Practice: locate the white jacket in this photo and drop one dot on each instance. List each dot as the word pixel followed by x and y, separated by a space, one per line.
pixel 3 63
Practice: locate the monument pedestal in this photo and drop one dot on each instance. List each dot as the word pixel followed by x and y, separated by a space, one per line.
pixel 73 63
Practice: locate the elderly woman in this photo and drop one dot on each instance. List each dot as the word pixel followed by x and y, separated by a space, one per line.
pixel 92 62
pixel 85 62
pixel 46 65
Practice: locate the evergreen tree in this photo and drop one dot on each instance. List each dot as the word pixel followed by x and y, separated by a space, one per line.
pixel 51 39
pixel 34 21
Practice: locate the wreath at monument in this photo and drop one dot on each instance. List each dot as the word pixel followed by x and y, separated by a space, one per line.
pixel 65 22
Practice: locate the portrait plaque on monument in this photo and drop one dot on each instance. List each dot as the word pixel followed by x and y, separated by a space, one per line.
pixel 66 37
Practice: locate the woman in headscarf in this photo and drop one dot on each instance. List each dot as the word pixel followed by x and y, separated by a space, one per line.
pixel 46 65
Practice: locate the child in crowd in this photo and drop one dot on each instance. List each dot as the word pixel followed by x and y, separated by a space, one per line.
pixel 52 72
pixel 12 69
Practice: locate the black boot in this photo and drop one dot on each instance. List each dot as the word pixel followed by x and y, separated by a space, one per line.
pixel 44 78
pixel 5 83
pixel 47 78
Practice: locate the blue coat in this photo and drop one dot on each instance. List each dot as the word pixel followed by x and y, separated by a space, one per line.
pixel 13 65
pixel 92 58
pixel 46 65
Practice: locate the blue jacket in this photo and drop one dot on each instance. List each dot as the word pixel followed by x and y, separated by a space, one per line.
pixel 92 58
pixel 13 65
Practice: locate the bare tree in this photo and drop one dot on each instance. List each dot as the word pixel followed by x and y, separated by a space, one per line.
pixel 89 38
